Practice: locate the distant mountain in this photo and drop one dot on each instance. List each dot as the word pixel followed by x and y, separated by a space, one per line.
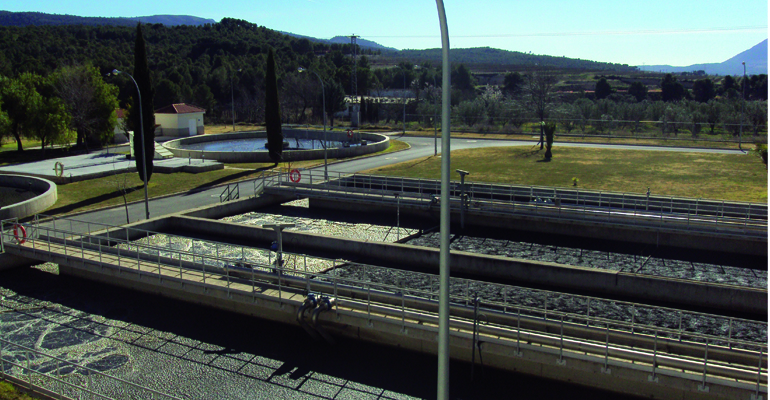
pixel 496 57
pixel 755 59
pixel 361 43
pixel 8 18
pixel 174 20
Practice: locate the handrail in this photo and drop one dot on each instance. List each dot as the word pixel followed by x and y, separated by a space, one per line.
pixel 222 263
pixel 218 268
pixel 672 214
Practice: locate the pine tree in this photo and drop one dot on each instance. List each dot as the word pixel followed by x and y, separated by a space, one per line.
pixel 142 77
pixel 272 111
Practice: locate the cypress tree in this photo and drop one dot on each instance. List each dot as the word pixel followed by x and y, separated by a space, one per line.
pixel 272 111
pixel 142 77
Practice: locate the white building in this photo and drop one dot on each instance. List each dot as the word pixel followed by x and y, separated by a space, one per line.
pixel 179 120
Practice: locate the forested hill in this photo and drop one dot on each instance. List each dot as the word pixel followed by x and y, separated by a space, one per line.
pixel 8 18
pixel 36 19
pixel 490 57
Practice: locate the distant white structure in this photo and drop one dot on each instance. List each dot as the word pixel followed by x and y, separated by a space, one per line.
pixel 120 135
pixel 179 120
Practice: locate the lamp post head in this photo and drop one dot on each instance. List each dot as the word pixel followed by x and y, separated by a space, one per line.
pixel 115 72
pixel 300 69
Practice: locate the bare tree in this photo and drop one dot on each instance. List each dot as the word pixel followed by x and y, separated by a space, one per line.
pixel 540 96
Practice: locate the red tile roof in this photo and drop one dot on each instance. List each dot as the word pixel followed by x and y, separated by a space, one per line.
pixel 180 108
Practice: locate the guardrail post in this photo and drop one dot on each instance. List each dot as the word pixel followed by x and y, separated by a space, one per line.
pixel 561 360
pixel 518 333
pixel 606 369
pixel 588 312
pixel 2 237
pixel 653 377
pixel 759 375
pixel 403 307
pixel 702 387
pixel 369 303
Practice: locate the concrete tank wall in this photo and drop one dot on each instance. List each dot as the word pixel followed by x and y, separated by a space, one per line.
pixel 545 274
pixel 34 205
pixel 376 143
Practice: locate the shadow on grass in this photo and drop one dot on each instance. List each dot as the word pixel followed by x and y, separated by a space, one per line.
pixel 89 202
pixel 225 179
pixel 527 153
pixel 419 162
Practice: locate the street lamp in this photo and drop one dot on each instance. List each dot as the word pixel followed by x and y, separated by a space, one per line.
pixel 323 98
pixel 404 97
pixel 443 304
pixel 743 106
pixel 143 170
pixel 435 132
pixel 232 96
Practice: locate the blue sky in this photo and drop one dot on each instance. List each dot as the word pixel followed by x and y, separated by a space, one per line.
pixel 675 32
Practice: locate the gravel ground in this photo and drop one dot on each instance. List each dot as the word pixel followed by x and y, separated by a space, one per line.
pixel 601 259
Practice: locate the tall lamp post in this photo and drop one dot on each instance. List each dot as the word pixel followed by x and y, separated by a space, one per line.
pixel 323 98
pixel 435 133
pixel 743 106
pixel 141 138
pixel 443 307
pixel 404 97
pixel 232 96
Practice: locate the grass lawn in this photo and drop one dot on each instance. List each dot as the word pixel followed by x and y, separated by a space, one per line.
pixel 106 191
pixel 684 142
pixel 699 175
pixel 9 392
pixel 11 145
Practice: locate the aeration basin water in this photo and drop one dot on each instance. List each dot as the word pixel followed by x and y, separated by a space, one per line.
pixel 300 144
pixel 259 144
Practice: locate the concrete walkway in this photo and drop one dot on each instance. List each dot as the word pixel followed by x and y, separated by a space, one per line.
pixel 102 163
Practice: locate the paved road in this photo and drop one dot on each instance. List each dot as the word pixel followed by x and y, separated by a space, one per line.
pixel 421 147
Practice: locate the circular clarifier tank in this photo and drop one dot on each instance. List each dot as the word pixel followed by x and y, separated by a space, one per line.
pixel 249 147
pixel 22 196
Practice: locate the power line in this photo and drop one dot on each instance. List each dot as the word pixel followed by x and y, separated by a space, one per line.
pixel 592 33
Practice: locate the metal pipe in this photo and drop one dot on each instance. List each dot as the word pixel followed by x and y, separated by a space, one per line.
pixel 309 303
pixel 325 304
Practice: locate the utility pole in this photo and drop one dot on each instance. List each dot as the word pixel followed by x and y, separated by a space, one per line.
pixel 354 80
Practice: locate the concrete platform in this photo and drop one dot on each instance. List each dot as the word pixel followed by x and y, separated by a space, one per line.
pixel 99 164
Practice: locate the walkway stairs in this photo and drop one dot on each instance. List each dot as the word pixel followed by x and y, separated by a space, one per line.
pixel 162 152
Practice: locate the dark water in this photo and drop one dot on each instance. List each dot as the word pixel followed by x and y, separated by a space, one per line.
pixel 258 144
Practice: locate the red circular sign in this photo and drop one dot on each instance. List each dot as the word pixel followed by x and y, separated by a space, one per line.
pixel 294 175
pixel 19 228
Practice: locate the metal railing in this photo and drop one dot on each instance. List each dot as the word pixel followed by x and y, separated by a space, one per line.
pixel 230 193
pixel 627 209
pixel 36 369
pixel 511 312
